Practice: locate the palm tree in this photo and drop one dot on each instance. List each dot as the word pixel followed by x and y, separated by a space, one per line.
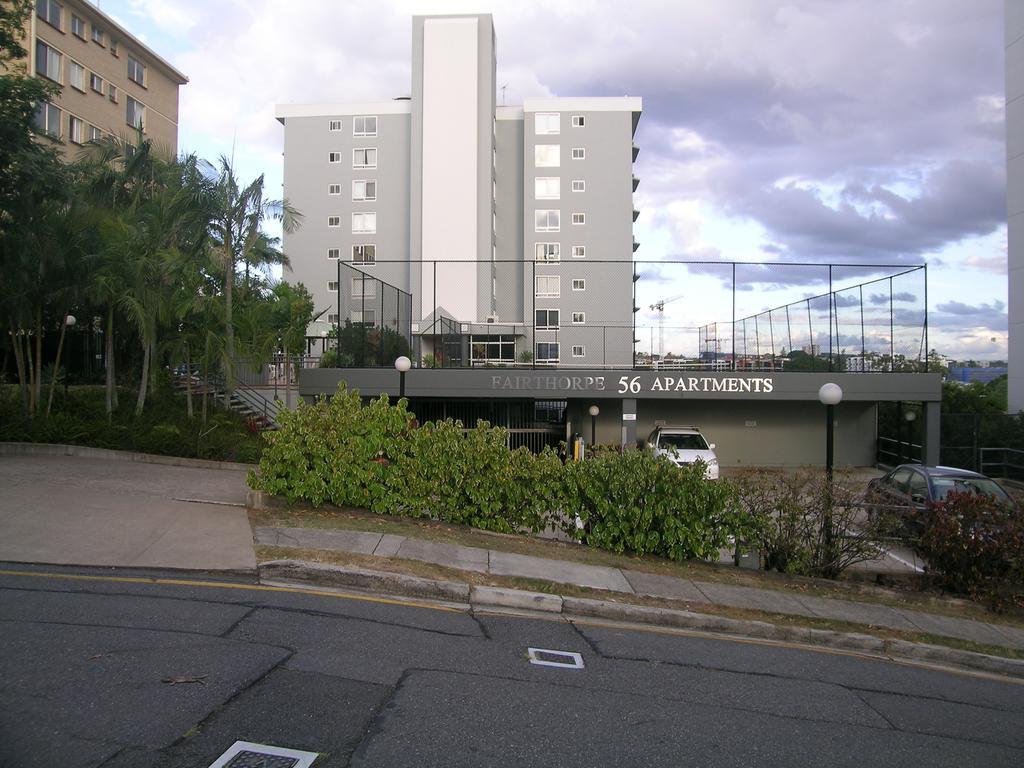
pixel 117 178
pixel 292 312
pixel 236 229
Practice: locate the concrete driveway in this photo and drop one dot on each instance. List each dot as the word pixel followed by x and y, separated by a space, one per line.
pixel 88 511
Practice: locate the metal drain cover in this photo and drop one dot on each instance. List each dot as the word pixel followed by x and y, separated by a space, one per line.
pixel 546 658
pixel 246 754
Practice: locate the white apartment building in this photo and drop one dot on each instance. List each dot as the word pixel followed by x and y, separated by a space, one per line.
pixel 510 228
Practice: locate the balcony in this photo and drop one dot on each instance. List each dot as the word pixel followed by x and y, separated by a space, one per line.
pixel 636 182
pixel 636 151
pixel 636 214
pixel 636 244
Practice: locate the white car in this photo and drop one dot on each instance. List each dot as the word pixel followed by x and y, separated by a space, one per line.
pixel 684 445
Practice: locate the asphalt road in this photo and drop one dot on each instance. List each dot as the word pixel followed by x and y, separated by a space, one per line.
pixel 108 671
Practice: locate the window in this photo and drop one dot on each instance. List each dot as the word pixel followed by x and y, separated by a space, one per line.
pixel 95 134
pixel 578 350
pixel 579 153
pixel 547 221
pixel 76 75
pixel 77 26
pixel 97 34
pixel 48 120
pixel 113 49
pixel 579 218
pixel 334 221
pixel 334 189
pixel 547 155
pixel 546 319
pixel 334 125
pixel 363 317
pixel 547 252
pixel 579 318
pixel 578 121
pixel 493 349
pixel 364 288
pixel 333 253
pixel 112 92
pixel 135 113
pixel 579 284
pixel 547 123
pixel 547 352
pixel 364 126
pixel 579 251
pixel 334 157
pixel 579 185
pixel 332 319
pixel 332 286
pixel 136 70
pixel 364 190
pixel 76 130
pixel 365 223
pixel 49 11
pixel 548 286
pixel 548 188
pixel 364 158
pixel 48 61
pixel 364 254
pixel 96 82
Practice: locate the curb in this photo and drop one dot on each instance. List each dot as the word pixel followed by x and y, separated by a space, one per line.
pixel 358 578
pixel 60 449
pixel 478 597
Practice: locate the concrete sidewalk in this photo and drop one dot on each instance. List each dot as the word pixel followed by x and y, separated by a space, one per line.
pixel 630 582
pixel 74 510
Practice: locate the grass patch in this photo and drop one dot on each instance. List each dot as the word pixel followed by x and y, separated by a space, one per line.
pixel 442 573
pixel 328 517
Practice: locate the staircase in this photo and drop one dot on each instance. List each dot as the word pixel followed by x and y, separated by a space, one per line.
pixel 259 412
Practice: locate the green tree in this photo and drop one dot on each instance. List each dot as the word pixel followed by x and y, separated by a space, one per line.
pixel 239 213
pixel 362 345
pixel 32 192
pixel 291 313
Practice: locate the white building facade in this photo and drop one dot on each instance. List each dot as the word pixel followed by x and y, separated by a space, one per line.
pixel 511 228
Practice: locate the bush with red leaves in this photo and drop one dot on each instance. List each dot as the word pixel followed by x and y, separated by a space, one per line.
pixel 976 547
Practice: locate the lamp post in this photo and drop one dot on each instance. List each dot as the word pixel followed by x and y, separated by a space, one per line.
pixel 830 396
pixel 402 364
pixel 910 416
pixel 69 321
pixel 593 411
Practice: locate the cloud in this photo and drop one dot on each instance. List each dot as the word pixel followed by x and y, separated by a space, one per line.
pixel 957 308
pixel 884 298
pixel 838 131
pixel 973 318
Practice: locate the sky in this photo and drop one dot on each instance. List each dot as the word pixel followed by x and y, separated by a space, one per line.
pixel 810 131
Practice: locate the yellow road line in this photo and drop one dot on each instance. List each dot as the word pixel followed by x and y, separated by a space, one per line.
pixel 229 585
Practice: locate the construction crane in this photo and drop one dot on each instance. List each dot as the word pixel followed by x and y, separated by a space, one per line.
pixel 659 306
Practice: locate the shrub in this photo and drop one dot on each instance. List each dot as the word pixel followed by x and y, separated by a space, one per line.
pixel 803 526
pixel 80 418
pixel 371 457
pixel 976 547
pixel 634 502
pixel 333 450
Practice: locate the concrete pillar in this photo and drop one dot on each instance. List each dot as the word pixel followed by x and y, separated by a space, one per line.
pixel 629 423
pixel 930 439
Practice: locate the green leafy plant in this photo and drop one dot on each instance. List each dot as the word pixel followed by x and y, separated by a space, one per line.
pixel 634 502
pixel 975 546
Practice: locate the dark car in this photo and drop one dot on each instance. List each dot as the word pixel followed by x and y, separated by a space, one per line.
pixel 910 488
